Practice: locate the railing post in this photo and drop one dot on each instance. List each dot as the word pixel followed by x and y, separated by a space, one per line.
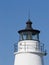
pixel 15 47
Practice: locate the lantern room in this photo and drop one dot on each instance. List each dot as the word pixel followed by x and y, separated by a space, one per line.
pixel 29 33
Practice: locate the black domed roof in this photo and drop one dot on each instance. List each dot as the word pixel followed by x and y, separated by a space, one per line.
pixel 29 28
pixel 29 24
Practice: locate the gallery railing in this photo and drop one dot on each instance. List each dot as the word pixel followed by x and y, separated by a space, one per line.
pixel 26 47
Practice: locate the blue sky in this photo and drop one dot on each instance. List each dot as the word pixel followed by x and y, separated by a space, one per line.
pixel 13 16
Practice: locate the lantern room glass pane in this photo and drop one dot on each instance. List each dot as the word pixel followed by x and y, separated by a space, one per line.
pixel 24 37
pixel 35 37
pixel 29 36
pixel 21 37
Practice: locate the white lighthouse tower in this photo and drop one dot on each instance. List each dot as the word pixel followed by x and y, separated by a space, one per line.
pixel 29 50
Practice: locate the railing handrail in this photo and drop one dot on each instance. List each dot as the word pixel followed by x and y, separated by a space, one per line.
pixel 41 47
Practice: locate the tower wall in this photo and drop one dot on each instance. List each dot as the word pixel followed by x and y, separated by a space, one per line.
pixel 28 46
pixel 28 59
pixel 29 53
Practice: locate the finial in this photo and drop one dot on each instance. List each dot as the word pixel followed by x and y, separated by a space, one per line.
pixel 29 14
pixel 29 21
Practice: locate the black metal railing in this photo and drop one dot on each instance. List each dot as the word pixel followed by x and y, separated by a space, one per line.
pixel 16 47
pixel 25 47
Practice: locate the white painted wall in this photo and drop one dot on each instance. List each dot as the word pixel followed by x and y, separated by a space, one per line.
pixel 28 53
pixel 28 45
pixel 28 59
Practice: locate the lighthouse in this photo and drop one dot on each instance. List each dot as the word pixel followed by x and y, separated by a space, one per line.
pixel 29 50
